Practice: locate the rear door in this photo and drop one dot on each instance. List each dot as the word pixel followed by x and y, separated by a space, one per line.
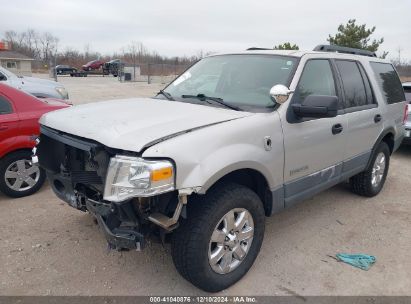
pixel 364 115
pixel 9 124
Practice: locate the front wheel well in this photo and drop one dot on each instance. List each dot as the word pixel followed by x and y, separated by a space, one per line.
pixel 14 151
pixel 251 179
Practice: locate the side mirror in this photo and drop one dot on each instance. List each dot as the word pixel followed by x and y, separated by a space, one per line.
pixel 2 77
pixel 280 93
pixel 317 106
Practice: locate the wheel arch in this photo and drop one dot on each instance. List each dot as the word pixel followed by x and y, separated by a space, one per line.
pixel 386 136
pixel 10 151
pixel 251 178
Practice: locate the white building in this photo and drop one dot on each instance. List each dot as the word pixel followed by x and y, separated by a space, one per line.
pixel 15 62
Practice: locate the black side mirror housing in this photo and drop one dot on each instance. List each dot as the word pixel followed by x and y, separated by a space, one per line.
pixel 317 106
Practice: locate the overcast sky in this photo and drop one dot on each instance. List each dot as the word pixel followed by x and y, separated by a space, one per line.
pixel 184 27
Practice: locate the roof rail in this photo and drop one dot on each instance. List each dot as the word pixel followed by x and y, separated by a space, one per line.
pixel 258 49
pixel 343 49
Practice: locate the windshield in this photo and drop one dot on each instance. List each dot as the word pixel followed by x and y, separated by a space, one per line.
pixel 6 73
pixel 241 80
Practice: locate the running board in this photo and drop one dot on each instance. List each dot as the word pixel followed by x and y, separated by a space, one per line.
pixel 169 223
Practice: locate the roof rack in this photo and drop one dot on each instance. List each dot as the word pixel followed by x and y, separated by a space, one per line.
pixel 343 49
pixel 258 49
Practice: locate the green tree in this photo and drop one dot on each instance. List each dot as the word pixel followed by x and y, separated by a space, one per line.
pixel 286 46
pixel 356 36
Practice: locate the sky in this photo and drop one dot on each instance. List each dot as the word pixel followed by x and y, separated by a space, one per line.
pixel 186 27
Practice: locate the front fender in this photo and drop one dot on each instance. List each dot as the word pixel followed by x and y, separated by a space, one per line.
pixel 203 156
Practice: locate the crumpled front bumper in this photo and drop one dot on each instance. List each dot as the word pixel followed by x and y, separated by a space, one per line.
pixel 117 237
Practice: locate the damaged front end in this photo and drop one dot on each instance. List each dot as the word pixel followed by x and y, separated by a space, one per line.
pixel 92 177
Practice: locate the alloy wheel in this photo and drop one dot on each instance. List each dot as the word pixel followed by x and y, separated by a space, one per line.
pixel 21 175
pixel 231 240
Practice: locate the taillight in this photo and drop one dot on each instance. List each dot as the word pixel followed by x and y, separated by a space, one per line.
pixel 404 120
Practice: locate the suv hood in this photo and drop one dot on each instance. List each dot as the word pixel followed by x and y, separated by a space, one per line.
pixel 132 124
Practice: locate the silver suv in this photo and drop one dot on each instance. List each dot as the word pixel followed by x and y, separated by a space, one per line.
pixel 41 88
pixel 235 138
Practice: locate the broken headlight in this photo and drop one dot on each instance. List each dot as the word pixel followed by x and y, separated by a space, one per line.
pixel 132 177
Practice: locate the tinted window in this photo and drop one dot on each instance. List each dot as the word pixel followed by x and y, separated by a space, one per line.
pixel 316 79
pixel 407 91
pixel 353 84
pixel 389 82
pixel 5 106
pixel 368 90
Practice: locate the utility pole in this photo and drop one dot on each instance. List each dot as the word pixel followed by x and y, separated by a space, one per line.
pixel 399 55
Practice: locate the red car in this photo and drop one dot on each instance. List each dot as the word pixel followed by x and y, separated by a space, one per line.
pixel 19 127
pixel 93 65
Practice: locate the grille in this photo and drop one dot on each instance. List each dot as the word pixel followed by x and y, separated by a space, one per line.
pixel 86 177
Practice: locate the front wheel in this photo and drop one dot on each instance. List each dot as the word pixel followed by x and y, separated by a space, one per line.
pixel 18 176
pixel 220 239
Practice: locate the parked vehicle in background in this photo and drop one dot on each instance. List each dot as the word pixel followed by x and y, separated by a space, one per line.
pixel 19 127
pixel 407 91
pixel 93 65
pixel 237 137
pixel 112 67
pixel 38 87
pixel 65 69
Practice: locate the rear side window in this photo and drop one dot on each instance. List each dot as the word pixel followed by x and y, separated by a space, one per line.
pixel 389 82
pixel 316 79
pixel 357 90
pixel 5 106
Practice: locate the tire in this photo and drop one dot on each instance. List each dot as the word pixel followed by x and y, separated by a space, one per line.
pixel 191 243
pixel 12 164
pixel 367 183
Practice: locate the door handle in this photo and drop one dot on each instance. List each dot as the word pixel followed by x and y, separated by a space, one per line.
pixel 3 127
pixel 377 118
pixel 337 128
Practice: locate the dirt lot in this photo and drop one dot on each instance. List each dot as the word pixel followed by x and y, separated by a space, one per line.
pixel 49 248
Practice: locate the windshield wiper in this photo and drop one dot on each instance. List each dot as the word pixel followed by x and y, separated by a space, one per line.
pixel 166 95
pixel 215 99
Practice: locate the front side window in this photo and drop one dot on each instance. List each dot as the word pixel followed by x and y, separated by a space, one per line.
pixel 353 84
pixel 389 82
pixel 316 79
pixel 240 80
pixel 5 106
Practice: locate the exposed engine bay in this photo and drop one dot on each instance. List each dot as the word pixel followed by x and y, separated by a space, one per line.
pixel 77 169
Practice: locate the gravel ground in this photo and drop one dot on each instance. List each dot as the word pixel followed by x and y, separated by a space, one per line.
pixel 48 248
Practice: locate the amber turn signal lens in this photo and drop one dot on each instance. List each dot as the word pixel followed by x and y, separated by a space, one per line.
pixel 160 174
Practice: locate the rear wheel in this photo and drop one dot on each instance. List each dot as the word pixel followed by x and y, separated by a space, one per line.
pixel 18 176
pixel 220 239
pixel 370 182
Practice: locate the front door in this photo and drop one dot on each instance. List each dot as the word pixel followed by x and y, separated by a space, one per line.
pixel 314 148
